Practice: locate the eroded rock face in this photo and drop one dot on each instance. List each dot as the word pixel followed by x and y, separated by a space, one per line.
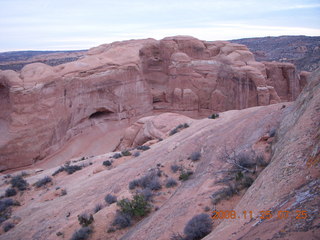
pixel 42 106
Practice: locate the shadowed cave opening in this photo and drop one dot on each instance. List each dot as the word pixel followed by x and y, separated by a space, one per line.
pixel 100 113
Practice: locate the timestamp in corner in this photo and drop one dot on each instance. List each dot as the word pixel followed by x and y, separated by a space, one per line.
pixel 263 215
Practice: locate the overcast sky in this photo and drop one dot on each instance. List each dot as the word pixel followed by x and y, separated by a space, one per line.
pixel 78 24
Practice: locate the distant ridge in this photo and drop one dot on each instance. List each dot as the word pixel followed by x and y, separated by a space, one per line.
pixel 302 51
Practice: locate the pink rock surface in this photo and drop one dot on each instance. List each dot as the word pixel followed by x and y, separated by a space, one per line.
pixel 43 107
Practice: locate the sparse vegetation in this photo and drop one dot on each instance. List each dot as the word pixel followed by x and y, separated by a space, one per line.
pixel 110 198
pixel 184 175
pixel 117 155
pixel 222 194
pixel 195 156
pixel 10 192
pixel 178 128
pixel 137 207
pixel 70 169
pixel 19 183
pixel 261 161
pixel 98 207
pixel 198 227
pixel 42 182
pixel 272 132
pixel 5 208
pixel 82 234
pixel 107 163
pixel 7 226
pixel 171 183
pixel 126 153
pixel 176 236
pixel 85 219
pixel 143 148
pixel 122 220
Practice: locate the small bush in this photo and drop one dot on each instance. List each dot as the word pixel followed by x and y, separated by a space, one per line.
pixel 82 234
pixel 171 183
pixel 146 193
pixel 272 132
pixel 133 184
pixel 85 219
pixel 150 180
pixel 10 192
pixel 195 156
pixel 176 236
pixel 122 220
pixel 173 131
pixel 117 155
pixel 97 208
pixel 43 181
pixel 110 198
pixel 222 194
pixel 184 175
pixel 126 153
pixel 143 148
pixel 136 154
pixel 19 182
pixel 59 170
pixel 179 127
pixel 63 192
pixel 198 227
pixel 175 168
pixel 137 207
pixel 70 169
pixel 247 182
pixel 107 163
pixel 260 161
pixel 7 226
pixel 214 116
pixel 245 160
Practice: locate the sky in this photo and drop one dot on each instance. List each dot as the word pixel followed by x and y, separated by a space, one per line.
pixel 78 24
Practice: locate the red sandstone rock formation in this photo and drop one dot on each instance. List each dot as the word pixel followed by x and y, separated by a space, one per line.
pixel 42 107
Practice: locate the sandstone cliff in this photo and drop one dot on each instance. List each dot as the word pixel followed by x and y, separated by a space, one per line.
pixel 43 107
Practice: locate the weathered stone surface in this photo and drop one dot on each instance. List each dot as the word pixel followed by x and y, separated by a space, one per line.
pixel 42 106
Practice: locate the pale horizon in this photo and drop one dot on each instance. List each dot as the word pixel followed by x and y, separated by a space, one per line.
pixel 77 25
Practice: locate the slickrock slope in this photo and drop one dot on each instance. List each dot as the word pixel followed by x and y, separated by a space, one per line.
pixel 290 181
pixel 43 107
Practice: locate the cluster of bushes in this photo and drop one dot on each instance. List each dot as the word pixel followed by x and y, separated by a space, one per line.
pixel 19 183
pixel 150 180
pixel 197 228
pixel 131 209
pixel 7 226
pixel 70 169
pixel 240 176
pixel 110 198
pixel 178 128
pixel 185 174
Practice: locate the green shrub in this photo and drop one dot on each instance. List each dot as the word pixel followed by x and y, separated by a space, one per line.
pixel 214 116
pixel 126 153
pixel 184 175
pixel 107 163
pixel 85 219
pixel 137 207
